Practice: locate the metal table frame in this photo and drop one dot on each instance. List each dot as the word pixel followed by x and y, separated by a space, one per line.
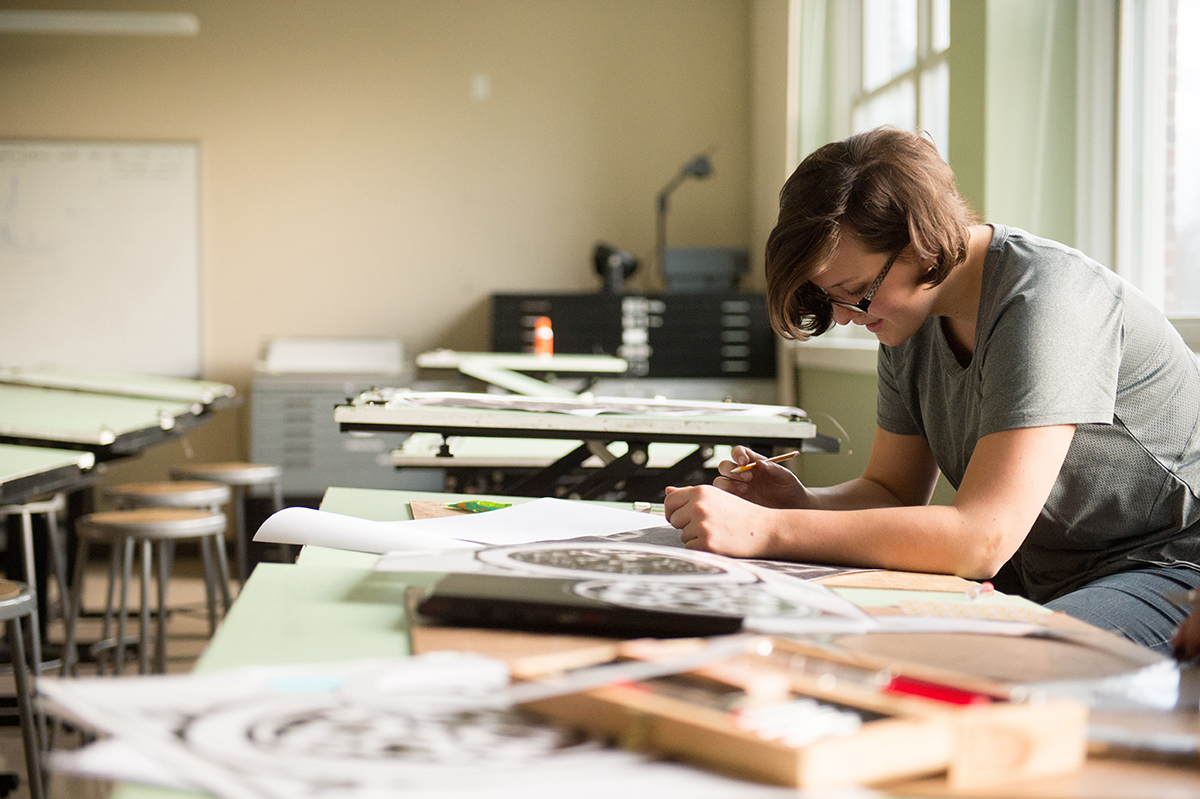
pixel 766 433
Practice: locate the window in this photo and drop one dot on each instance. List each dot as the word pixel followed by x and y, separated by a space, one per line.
pixel 1181 290
pixel 1158 152
pixel 897 61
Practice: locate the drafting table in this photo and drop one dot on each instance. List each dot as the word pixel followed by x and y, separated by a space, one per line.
pixel 497 463
pixel 207 394
pixel 98 417
pixel 107 425
pixel 423 450
pixel 331 606
pixel 26 472
pixel 766 429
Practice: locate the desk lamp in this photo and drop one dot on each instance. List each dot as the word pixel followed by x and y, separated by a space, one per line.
pixel 699 167
pixel 614 266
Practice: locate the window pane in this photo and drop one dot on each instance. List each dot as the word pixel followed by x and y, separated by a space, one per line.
pixel 935 105
pixel 889 40
pixel 1183 286
pixel 897 106
pixel 940 40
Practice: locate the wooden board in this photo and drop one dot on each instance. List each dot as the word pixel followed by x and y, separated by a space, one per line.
pixel 529 655
pixel 898 581
pixel 1087 655
pixel 424 509
pixel 984 744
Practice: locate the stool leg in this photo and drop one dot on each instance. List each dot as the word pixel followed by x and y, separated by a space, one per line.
pixel 35 625
pixel 114 571
pixel 207 545
pixel 123 615
pixel 222 572
pixel 239 531
pixel 71 653
pixel 31 581
pixel 29 729
pixel 58 554
pixel 164 572
pixel 144 615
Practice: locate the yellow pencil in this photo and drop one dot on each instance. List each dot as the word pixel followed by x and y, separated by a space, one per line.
pixel 787 456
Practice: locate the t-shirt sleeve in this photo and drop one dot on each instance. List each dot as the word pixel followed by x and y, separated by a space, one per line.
pixel 1053 350
pixel 891 412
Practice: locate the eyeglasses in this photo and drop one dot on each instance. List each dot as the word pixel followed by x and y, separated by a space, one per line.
pixel 862 305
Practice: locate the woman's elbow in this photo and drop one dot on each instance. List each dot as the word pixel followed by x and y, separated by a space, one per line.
pixel 979 570
pixel 987 554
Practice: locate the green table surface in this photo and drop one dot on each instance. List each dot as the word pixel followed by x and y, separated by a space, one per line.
pixel 329 605
pixel 82 417
pixel 26 472
pixel 17 461
pixel 131 385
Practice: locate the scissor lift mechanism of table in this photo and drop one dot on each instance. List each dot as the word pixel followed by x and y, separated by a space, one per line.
pixel 764 434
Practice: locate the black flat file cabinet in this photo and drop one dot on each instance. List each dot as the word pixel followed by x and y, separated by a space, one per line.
pixel 705 335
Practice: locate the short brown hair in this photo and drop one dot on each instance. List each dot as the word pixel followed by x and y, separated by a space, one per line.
pixel 889 188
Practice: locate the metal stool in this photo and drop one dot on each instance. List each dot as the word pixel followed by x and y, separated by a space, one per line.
pixel 18 602
pixel 239 477
pixel 52 508
pixel 185 494
pixel 170 494
pixel 122 530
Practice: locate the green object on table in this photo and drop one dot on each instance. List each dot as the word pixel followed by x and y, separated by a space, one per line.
pixel 478 505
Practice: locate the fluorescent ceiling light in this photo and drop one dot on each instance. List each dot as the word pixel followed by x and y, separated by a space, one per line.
pixel 119 23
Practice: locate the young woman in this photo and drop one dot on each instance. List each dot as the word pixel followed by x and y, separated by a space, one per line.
pixel 1056 399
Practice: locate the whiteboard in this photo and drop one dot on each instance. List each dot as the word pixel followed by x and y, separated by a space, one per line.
pixel 99 256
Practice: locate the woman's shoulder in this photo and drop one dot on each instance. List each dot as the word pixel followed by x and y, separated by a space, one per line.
pixel 1021 243
pixel 1018 262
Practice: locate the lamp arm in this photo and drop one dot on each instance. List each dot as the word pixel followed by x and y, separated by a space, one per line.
pixel 665 194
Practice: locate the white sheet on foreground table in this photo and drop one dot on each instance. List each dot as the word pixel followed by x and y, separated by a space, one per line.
pixel 544 519
pixel 428 726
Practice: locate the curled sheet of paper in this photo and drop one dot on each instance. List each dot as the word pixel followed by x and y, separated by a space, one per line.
pixel 545 519
pixel 321 528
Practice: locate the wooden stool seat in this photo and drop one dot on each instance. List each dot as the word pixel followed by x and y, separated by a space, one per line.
pixel 150 523
pixel 240 477
pixel 229 473
pixel 171 494
pixel 155 530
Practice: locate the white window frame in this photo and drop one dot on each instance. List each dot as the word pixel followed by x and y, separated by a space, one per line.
pixel 1139 215
pixel 1140 247
pixel 850 95
pixel 1095 130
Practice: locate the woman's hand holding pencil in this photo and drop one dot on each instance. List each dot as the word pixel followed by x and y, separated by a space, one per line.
pixel 714 520
pixel 787 456
pixel 759 479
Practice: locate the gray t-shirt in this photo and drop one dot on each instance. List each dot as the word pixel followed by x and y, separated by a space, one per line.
pixel 1062 340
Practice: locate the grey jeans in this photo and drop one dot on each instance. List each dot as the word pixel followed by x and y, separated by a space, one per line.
pixel 1132 604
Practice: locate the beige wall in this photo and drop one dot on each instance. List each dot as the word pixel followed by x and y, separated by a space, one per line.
pixel 353 186
pixel 769 126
